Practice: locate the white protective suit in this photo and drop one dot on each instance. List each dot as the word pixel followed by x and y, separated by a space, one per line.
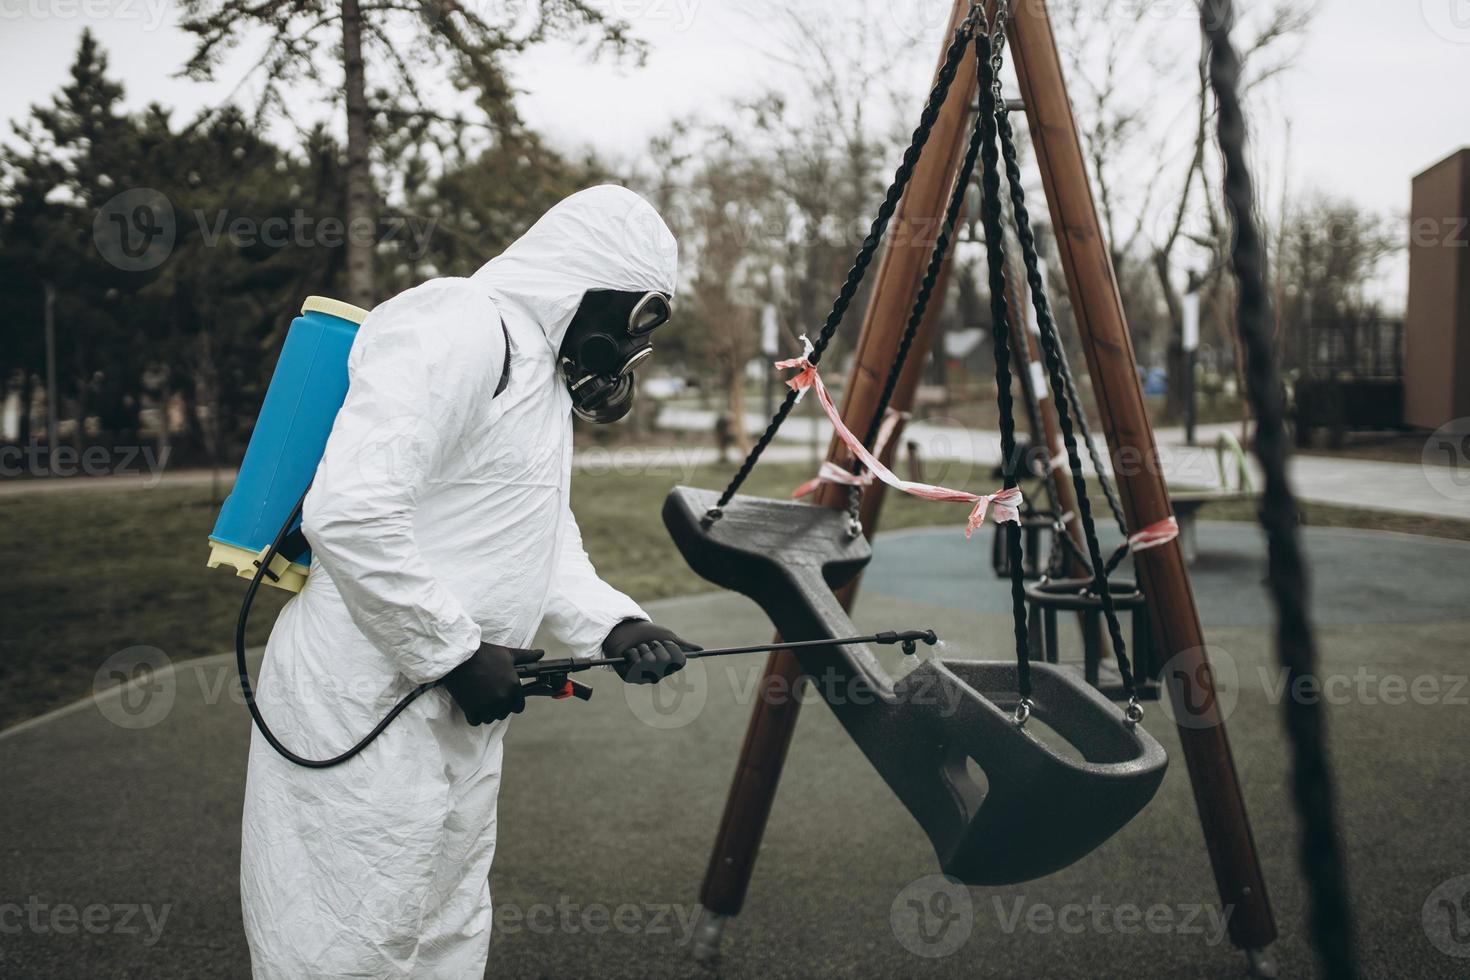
pixel 439 517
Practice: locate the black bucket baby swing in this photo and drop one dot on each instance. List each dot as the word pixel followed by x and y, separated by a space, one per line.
pixel 923 731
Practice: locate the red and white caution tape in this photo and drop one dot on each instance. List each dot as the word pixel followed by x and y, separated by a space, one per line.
pixel 1159 533
pixel 1006 503
pixel 831 472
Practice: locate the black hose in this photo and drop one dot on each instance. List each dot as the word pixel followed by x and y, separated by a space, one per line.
pixel 248 689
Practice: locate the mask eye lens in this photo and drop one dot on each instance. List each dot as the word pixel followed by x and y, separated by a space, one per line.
pixel 599 354
pixel 652 311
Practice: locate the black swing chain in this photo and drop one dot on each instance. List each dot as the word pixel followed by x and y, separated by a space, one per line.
pixel 991 220
pixel 1320 853
pixel 964 34
pixel 1056 369
pixel 916 316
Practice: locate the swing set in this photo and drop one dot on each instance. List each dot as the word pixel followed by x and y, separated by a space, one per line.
pixel 955 739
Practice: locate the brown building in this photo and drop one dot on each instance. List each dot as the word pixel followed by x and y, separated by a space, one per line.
pixel 1437 324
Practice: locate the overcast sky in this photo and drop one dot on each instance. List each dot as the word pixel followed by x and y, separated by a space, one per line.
pixel 1380 91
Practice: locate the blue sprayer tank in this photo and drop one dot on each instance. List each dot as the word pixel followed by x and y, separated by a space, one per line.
pixel 305 394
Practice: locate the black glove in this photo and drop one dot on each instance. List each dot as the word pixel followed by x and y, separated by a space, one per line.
pixel 486 687
pixel 650 653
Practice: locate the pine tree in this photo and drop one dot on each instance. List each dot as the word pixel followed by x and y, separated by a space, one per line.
pixel 395 44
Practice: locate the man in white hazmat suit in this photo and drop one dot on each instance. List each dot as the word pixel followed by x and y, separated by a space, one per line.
pixel 441 538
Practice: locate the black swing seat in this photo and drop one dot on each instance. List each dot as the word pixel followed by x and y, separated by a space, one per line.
pixel 1036 810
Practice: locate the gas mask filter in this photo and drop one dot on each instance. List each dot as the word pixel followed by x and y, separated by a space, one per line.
pixel 605 342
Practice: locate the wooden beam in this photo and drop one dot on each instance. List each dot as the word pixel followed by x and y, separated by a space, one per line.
pixel 1098 308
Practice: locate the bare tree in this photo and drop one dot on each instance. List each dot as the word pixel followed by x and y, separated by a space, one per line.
pixel 771 201
pixel 1149 148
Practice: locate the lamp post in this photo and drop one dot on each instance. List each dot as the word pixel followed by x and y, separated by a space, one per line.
pixel 1191 352
pixel 51 401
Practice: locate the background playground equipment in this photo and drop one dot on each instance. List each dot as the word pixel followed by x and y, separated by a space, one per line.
pixel 1234 484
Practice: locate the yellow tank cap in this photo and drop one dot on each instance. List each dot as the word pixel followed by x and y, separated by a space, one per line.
pixel 334 307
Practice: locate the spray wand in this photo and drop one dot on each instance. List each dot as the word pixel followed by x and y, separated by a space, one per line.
pixel 552 678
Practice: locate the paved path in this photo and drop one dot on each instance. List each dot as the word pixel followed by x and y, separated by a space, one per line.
pixel 953 454
pixel 1399 487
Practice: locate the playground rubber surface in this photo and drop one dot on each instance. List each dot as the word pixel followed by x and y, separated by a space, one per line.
pixel 102 810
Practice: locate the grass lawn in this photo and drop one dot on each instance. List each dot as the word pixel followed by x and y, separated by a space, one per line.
pixel 106 570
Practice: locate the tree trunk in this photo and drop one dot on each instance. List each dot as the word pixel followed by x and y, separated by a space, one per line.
pixel 1178 362
pixel 361 220
pixel 83 386
pixel 27 399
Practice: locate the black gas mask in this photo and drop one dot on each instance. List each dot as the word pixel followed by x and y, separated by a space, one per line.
pixel 606 341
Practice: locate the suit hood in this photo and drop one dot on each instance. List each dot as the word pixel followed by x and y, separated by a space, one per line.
pixel 605 237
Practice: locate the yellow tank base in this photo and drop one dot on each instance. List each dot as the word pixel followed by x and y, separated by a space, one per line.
pixel 290 576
